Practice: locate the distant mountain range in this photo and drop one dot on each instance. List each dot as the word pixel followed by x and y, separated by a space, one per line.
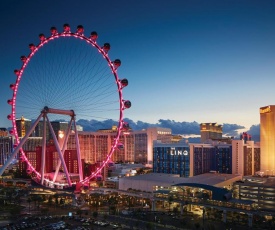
pixel 190 129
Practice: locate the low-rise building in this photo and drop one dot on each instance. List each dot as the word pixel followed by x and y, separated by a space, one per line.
pixel 260 190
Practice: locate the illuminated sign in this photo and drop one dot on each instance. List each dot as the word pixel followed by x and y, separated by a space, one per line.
pixel 174 152
pixel 265 109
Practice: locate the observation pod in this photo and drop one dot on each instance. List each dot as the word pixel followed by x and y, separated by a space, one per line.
pixel 93 36
pixel 127 104
pixel 53 31
pixel 117 63
pixel 16 72
pixel 9 117
pixel 9 101
pixel 12 86
pixel 80 29
pixel 32 47
pixel 22 159
pixel 99 178
pixel 86 186
pixel 23 59
pixel 125 126
pixel 120 146
pixel 42 37
pixel 124 82
pixel 106 47
pixel 66 28
pixel 11 132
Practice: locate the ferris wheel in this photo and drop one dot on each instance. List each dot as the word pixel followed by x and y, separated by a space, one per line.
pixel 67 76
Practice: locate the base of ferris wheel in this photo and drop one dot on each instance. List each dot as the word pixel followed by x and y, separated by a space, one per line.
pixel 56 179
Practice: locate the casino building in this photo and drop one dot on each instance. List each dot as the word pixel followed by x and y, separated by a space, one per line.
pixel 240 158
pixel 171 159
pixel 189 160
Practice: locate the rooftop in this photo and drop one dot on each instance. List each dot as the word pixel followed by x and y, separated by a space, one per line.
pixel 207 178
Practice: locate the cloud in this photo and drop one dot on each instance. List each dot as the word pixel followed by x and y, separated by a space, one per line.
pixel 94 125
pixel 183 128
pixel 232 130
pixel 254 131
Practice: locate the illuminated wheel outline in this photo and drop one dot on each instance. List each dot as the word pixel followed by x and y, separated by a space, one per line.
pixel 113 65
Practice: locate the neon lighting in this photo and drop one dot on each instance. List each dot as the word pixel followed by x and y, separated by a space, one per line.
pixel 33 50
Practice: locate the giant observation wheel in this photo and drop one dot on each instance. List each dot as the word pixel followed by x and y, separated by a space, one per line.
pixel 67 76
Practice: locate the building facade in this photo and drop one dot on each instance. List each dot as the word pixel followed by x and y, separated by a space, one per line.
pixel 260 190
pixel 215 157
pixel 267 138
pixel 4 132
pixel 171 159
pixel 246 157
pixel 22 125
pixel 210 131
pixel 6 146
pixel 134 146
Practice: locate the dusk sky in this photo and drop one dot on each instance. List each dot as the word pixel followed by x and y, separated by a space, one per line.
pixel 203 61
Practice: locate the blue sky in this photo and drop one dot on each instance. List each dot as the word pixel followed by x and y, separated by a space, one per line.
pixel 203 61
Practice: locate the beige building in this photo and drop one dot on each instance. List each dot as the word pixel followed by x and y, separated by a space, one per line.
pixel 137 145
pixel 210 131
pixel 267 138
pixel 246 157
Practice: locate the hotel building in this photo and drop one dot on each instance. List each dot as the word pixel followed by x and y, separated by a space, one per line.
pixel 4 132
pixel 22 125
pixel 6 146
pixel 267 138
pixel 238 158
pixel 171 159
pixel 246 157
pixel 210 131
pixel 189 160
pixel 135 146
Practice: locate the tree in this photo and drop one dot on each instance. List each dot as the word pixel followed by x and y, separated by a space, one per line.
pixel 149 225
pixel 15 211
pixel 95 197
pixel 79 212
pixel 170 200
pixel 176 210
pixel 29 200
pixel 50 200
pixel 197 225
pixel 44 211
pixel 112 204
pixel 105 217
pixel 95 214
pixel 238 218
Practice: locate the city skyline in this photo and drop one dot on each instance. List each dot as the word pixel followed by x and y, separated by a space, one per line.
pixel 195 61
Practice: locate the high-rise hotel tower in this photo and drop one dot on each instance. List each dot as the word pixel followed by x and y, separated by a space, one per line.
pixel 267 139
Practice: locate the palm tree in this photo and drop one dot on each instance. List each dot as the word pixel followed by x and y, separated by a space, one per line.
pixel 95 197
pixel 176 210
pixel 56 199
pixel 197 225
pixel 170 200
pixel 15 211
pixel 29 200
pixel 95 214
pixel 112 203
